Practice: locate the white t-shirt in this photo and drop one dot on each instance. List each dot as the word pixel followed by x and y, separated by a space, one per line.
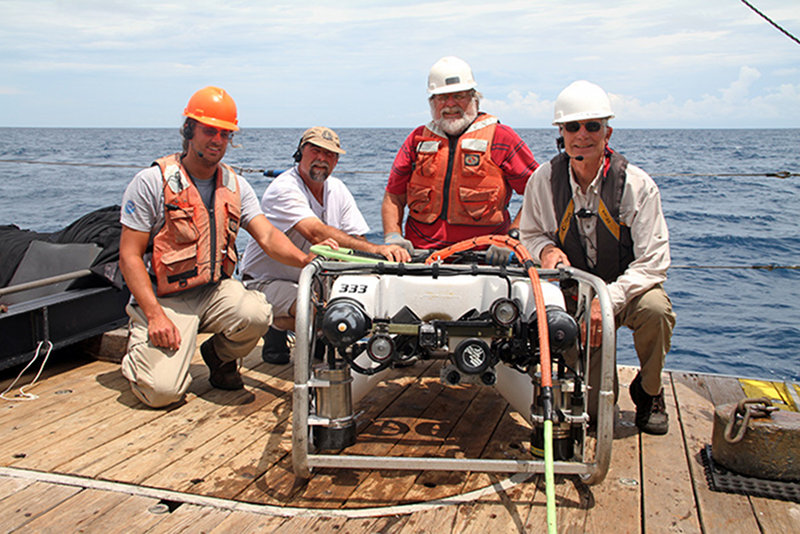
pixel 288 201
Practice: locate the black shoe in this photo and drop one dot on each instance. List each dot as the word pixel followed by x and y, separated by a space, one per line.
pixel 651 412
pixel 222 375
pixel 276 347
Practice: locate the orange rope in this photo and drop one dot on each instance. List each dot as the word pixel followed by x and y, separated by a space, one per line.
pixel 526 260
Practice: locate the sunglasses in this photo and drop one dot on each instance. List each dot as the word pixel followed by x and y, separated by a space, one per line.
pixel 212 132
pixel 459 97
pixel 591 126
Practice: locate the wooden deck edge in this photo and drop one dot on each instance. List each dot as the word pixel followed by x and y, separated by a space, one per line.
pixel 262 509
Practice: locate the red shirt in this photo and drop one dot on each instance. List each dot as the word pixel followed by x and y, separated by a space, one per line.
pixel 509 152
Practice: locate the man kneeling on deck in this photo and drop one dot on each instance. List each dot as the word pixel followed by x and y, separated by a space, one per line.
pixel 189 206
pixel 589 208
pixel 309 205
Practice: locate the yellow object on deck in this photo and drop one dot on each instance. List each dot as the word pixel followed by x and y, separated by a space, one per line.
pixel 777 392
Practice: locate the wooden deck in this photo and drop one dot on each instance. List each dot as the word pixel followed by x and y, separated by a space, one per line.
pixel 87 456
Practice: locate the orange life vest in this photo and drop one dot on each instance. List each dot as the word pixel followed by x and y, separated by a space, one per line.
pixel 192 249
pixel 461 183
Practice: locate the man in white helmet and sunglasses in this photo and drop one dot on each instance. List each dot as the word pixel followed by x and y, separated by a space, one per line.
pixel 456 174
pixel 591 209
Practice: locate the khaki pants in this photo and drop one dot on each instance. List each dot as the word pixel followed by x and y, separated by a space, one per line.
pixel 236 316
pixel 651 318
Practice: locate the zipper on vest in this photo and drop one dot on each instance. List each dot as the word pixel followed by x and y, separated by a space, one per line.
pixel 451 155
pixel 212 230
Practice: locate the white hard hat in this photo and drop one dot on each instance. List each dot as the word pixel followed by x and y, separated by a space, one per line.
pixel 450 75
pixel 580 101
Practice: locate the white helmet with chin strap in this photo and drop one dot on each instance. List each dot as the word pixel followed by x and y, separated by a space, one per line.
pixel 450 75
pixel 580 101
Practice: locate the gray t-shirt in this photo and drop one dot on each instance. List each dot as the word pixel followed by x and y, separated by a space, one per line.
pixel 143 202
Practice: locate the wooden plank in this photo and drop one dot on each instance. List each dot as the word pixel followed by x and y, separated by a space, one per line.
pixel 11 485
pixel 439 520
pixel 77 412
pixel 56 370
pixel 133 513
pixel 195 459
pixel 30 502
pixel 723 389
pixel 669 504
pixel 328 488
pixel 238 521
pixel 234 475
pixel 52 393
pixel 211 405
pixel 615 504
pixel 368 525
pixel 217 412
pixel 776 517
pixel 74 514
pixel 467 440
pixel 496 510
pixel 189 518
pixel 423 438
pixel 505 510
pixel 719 512
pixel 298 524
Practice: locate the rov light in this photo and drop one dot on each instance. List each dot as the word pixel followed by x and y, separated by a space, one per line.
pixel 380 348
pixel 472 356
pixel 344 322
pixel 504 311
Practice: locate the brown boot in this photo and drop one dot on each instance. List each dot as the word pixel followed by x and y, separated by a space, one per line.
pixel 222 375
pixel 651 412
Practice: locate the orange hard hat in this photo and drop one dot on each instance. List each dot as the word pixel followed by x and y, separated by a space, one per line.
pixel 214 107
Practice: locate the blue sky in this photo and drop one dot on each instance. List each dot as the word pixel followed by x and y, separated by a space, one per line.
pixel 675 64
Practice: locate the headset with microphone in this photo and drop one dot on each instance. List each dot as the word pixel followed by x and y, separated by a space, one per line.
pixel 298 154
pixel 560 146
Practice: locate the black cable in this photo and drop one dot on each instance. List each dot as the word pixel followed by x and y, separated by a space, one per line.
pixel 763 16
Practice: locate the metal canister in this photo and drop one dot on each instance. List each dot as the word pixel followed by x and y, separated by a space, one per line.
pixel 334 404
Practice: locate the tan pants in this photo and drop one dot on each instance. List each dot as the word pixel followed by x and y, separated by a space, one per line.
pixel 238 317
pixel 651 318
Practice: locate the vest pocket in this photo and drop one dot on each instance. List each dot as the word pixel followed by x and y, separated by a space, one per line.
pixel 477 202
pixel 180 264
pixel 181 225
pixel 419 198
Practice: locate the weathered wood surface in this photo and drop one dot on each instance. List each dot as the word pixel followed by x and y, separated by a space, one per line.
pixel 235 446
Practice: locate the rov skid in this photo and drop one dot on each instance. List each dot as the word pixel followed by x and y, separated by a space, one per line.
pixel 479 321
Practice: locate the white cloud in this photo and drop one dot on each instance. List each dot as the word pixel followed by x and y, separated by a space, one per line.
pixel 364 62
pixel 733 101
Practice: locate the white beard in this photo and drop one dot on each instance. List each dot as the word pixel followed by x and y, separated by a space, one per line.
pixel 456 126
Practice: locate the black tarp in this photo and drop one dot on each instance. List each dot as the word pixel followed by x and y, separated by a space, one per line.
pixel 101 227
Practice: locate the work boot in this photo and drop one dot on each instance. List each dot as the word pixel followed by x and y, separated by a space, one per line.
pixel 222 375
pixel 651 412
pixel 276 347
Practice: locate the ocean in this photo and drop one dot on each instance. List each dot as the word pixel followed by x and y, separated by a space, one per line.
pixel 725 215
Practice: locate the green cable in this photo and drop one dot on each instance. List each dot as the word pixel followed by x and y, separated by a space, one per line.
pixel 346 254
pixel 549 479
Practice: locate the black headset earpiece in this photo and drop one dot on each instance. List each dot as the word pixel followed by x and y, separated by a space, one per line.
pixel 298 154
pixel 560 143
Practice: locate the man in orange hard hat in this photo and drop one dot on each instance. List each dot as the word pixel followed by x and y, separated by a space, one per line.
pixel 189 207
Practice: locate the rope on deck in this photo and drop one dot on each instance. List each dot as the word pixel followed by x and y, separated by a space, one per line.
pixel 496 487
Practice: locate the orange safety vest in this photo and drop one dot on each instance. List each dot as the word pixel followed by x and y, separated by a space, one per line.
pixel 461 183
pixel 189 250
